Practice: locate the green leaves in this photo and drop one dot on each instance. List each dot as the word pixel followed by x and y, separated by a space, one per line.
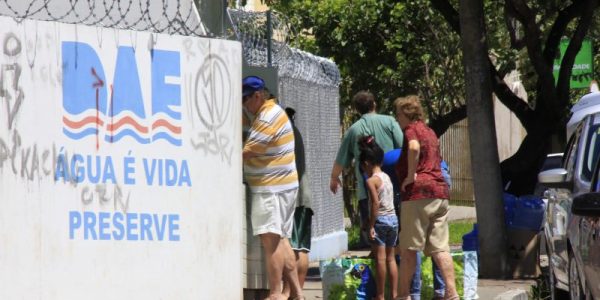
pixel 392 48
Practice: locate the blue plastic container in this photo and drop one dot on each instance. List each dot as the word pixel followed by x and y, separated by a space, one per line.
pixel 510 203
pixel 528 213
pixel 470 242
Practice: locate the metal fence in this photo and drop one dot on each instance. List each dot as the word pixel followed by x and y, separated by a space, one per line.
pixel 310 85
pixel 459 160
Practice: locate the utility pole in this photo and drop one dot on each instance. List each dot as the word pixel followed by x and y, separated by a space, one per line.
pixel 213 15
pixel 482 135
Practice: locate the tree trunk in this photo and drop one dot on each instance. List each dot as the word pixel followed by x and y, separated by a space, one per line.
pixel 519 172
pixel 482 132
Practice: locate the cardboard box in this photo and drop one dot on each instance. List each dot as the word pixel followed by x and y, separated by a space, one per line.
pixel 523 253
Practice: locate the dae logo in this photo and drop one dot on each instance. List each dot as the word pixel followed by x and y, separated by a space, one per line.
pixel 117 111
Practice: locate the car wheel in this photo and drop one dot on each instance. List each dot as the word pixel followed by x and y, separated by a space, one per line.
pixel 575 287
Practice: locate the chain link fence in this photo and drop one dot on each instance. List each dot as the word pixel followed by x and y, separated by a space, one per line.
pixel 310 85
pixel 160 16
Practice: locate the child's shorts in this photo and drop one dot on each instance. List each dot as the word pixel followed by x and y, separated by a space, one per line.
pixel 386 231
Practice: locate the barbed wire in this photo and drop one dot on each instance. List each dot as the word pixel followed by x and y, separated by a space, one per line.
pixel 251 30
pixel 160 16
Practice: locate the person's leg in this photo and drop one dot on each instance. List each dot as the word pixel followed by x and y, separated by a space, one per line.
pixel 363 211
pixel 407 269
pixel 439 287
pixel 274 259
pixel 290 272
pixel 287 204
pixel 437 244
pixel 302 266
pixel 412 239
pixel 391 266
pixel 286 286
pixel 415 284
pixel 380 258
pixel 444 261
pixel 300 241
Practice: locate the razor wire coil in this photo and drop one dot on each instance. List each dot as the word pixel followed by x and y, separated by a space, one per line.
pixel 159 16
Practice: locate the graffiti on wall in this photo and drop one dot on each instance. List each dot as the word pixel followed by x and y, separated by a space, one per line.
pixel 210 98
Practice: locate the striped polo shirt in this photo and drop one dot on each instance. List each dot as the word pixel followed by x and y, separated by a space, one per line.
pixel 271 139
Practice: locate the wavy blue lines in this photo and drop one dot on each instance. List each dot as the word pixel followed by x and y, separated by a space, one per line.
pixel 124 133
pixel 167 137
pixel 80 135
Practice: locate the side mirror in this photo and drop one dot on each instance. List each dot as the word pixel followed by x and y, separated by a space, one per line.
pixel 587 205
pixel 555 178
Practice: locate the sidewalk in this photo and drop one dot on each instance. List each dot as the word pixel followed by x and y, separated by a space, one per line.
pixel 487 289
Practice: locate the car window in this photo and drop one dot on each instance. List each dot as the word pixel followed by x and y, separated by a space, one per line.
pixel 571 153
pixel 591 152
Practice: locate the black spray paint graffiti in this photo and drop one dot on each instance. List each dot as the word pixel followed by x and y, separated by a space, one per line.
pixel 13 97
pixel 33 164
pixel 104 194
pixel 27 162
pixel 212 96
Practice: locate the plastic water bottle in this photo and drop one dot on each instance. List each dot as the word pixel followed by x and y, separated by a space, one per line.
pixel 470 248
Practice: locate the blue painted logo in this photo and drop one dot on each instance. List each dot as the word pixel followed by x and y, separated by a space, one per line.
pixel 111 112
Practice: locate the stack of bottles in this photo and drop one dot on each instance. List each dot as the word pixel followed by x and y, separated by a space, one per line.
pixel 470 249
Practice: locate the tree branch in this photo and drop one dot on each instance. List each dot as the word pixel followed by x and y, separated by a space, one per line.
pixel 515 42
pixel 566 65
pixel 520 108
pixel 441 124
pixel 520 10
pixel 563 19
pixel 448 12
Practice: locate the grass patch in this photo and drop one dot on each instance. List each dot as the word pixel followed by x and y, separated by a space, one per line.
pixel 353 237
pixel 458 202
pixel 539 291
pixel 458 229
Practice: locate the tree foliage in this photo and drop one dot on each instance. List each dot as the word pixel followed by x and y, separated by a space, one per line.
pixel 412 46
pixel 390 48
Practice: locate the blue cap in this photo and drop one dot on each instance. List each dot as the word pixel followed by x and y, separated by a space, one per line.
pixel 252 84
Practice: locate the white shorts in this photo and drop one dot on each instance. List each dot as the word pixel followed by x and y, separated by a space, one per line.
pixel 273 212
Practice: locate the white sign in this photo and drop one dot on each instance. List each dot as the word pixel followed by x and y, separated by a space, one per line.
pixel 120 165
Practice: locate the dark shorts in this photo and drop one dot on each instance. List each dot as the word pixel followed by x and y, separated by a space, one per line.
pixel 386 231
pixel 301 232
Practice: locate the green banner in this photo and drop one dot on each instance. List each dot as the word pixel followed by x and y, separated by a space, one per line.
pixel 583 69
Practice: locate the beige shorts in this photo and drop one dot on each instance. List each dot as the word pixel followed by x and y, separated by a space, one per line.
pixel 273 212
pixel 424 226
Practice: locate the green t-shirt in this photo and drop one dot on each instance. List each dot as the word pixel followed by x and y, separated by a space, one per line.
pixel 387 134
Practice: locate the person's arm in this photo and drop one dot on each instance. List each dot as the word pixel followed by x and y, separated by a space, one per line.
pixel 342 160
pixel 259 136
pixel 373 184
pixel 397 136
pixel 413 159
pixel 334 181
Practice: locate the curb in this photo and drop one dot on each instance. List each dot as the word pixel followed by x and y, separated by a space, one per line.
pixel 517 294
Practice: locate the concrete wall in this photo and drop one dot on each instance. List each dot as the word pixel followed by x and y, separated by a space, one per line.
pixel 120 165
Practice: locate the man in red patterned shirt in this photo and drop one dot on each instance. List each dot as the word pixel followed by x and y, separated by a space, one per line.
pixel 424 212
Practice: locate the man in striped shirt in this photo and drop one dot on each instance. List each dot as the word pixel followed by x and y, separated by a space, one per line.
pixel 270 171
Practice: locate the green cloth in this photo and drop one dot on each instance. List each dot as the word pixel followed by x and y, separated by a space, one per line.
pixel 387 134
pixel 301 232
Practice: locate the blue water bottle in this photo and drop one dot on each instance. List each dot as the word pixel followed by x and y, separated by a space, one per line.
pixel 470 247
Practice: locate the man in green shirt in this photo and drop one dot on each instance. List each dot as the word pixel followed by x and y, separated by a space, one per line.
pixel 388 136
